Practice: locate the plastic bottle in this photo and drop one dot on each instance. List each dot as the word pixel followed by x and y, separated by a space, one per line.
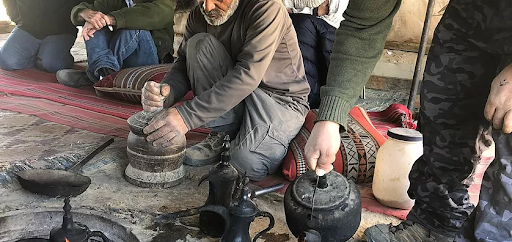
pixel 393 164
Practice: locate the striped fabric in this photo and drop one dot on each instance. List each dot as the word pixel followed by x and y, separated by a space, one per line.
pixel 356 156
pixel 127 83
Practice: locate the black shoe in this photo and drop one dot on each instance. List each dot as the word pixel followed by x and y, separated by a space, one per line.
pixel 406 231
pixel 73 78
pixel 206 152
pixel 104 71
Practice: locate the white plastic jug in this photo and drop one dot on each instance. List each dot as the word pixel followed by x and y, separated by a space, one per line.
pixel 393 164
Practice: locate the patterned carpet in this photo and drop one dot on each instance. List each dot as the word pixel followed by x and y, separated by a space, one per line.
pixel 27 141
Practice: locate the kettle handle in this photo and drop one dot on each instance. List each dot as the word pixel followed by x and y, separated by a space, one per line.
pixel 270 224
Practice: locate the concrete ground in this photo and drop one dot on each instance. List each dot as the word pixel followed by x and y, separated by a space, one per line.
pixel 111 195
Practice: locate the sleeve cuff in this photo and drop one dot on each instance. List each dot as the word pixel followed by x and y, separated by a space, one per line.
pixel 74 16
pixel 334 109
pixel 120 21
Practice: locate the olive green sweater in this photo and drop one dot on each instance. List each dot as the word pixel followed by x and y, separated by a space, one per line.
pixel 157 16
pixel 359 43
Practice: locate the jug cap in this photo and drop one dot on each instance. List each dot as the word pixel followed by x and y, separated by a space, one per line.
pixel 405 134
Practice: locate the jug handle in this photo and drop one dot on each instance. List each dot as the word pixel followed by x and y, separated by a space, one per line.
pixel 270 224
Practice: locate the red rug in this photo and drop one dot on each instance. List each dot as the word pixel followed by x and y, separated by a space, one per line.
pixel 37 93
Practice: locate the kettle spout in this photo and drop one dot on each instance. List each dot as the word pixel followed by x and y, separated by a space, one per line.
pixel 218 209
pixel 311 235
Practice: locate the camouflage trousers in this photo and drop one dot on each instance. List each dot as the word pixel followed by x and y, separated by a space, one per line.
pixel 471 44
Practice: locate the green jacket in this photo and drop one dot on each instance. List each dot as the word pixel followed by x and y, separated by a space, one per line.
pixel 359 43
pixel 157 16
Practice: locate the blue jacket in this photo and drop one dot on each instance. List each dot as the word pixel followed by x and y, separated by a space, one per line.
pixel 316 38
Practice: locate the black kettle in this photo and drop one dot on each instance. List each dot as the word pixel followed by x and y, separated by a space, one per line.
pixel 336 207
pixel 239 216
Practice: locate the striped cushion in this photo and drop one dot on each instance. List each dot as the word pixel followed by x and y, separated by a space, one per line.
pixel 355 158
pixel 127 83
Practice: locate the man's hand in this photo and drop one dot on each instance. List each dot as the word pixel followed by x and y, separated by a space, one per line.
pixel 322 146
pixel 166 129
pixel 498 108
pixel 88 31
pixel 321 10
pixel 97 19
pixel 153 95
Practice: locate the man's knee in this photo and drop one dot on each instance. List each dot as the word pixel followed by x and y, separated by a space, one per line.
pixel 11 62
pixel 246 163
pixel 202 43
pixel 254 164
pixel 53 65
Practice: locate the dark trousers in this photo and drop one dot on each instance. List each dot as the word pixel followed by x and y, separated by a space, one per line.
pixel 22 51
pixel 471 44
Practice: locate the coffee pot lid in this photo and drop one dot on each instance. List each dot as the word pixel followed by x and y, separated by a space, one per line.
pixel 333 195
pixel 405 134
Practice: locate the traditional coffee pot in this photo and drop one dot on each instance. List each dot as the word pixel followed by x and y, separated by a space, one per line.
pixel 224 185
pixel 152 166
pixel 236 218
pixel 333 213
pixel 222 179
pixel 239 216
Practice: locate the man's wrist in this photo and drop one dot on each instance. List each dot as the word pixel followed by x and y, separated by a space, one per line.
pixel 331 125
pixel 112 20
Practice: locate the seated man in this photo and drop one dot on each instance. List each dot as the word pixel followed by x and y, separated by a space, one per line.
pixel 142 35
pixel 43 35
pixel 243 63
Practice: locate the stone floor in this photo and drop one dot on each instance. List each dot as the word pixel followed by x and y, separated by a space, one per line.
pixel 111 195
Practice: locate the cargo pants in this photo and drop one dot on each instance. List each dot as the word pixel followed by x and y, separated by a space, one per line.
pixel 472 44
pixel 266 122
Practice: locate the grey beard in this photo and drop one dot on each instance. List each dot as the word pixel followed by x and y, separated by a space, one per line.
pixel 223 16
